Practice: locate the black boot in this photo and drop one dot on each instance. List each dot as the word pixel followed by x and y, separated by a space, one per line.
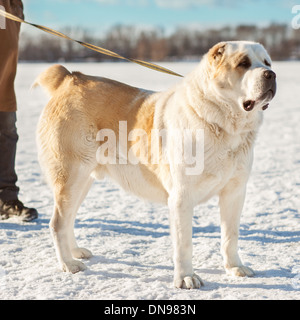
pixel 15 208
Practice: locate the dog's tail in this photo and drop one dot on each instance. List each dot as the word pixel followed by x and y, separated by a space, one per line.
pixel 52 78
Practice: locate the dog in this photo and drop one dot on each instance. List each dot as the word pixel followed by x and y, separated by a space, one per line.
pixel 82 132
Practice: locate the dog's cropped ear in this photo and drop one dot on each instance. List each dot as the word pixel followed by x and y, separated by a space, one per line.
pixel 215 54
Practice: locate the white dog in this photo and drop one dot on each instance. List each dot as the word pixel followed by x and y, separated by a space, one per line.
pixel 95 127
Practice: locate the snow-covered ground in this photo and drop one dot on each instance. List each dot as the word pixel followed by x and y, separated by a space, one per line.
pixel 130 238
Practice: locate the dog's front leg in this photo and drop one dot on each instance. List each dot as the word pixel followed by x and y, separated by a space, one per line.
pixel 181 214
pixel 231 204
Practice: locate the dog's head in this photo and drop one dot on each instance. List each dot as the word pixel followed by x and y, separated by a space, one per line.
pixel 241 72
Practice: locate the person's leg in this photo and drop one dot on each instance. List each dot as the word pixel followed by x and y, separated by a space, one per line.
pixel 9 203
pixel 8 144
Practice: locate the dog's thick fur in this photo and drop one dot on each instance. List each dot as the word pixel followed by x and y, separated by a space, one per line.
pixel 225 96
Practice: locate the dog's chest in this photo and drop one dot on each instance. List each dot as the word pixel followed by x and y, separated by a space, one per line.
pixel 224 160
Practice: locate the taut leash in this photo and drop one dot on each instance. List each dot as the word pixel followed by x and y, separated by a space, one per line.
pixel 90 46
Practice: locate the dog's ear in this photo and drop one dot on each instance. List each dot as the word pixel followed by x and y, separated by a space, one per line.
pixel 216 53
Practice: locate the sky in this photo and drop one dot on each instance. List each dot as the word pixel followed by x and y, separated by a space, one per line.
pixel 100 15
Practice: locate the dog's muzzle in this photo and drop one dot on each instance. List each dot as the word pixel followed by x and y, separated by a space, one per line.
pixel 270 91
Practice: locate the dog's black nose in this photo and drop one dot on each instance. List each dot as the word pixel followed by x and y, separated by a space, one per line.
pixel 269 75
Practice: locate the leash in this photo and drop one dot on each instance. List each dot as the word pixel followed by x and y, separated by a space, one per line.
pixel 90 46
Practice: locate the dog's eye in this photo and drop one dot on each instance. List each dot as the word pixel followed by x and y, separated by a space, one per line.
pixel 245 64
pixel 268 64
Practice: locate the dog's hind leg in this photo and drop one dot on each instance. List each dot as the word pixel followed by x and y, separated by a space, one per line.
pixel 80 253
pixel 68 195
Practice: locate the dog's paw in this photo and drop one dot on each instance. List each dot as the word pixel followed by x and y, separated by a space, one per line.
pixel 81 253
pixel 241 271
pixel 73 266
pixel 188 282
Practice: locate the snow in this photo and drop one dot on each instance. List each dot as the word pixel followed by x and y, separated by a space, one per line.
pixel 130 238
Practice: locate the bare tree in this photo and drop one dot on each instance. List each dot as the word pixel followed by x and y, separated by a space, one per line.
pixel 152 44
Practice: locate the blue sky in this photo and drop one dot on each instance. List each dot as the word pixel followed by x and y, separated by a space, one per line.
pixel 169 14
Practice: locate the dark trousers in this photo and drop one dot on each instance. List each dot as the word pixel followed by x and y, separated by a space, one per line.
pixel 8 146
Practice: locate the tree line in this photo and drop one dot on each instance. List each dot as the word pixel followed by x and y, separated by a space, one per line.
pixel 282 42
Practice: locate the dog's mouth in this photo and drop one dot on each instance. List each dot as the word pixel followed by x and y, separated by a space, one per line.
pixel 249 104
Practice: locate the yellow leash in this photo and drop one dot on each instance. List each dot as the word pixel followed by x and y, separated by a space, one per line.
pixel 90 46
